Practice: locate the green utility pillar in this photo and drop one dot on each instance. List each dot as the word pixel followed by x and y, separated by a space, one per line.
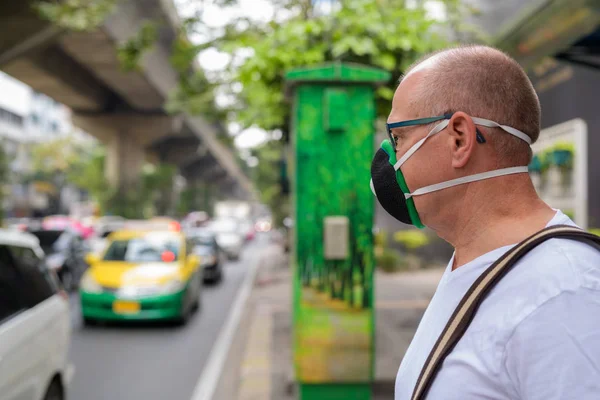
pixel 332 148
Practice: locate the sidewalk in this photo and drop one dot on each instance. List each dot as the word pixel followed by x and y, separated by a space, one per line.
pixel 259 364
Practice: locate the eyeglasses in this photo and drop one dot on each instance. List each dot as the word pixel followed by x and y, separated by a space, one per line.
pixel 422 121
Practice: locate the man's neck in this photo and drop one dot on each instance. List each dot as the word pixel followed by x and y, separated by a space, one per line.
pixel 491 227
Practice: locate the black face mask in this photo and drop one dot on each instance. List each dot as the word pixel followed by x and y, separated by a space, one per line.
pixel 389 186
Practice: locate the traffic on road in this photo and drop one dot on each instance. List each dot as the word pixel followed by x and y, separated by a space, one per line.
pixel 116 308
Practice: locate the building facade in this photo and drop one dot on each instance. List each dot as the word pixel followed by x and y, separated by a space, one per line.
pixel 27 118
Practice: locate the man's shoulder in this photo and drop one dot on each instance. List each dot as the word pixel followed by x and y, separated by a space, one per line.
pixel 570 264
pixel 551 269
pixel 554 266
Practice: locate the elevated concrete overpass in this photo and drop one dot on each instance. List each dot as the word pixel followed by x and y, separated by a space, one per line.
pixel 122 109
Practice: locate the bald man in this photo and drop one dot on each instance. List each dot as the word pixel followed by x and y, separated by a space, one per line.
pixel 461 126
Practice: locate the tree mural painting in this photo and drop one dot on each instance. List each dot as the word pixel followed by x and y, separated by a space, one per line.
pixel 332 148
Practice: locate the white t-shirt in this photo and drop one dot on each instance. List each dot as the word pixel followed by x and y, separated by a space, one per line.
pixel 535 337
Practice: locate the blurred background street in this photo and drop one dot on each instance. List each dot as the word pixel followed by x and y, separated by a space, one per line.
pixel 154 361
pixel 185 201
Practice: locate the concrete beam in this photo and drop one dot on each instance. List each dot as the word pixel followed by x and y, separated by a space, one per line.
pixel 30 44
pixel 205 168
pixel 52 72
pixel 159 72
pixel 131 86
pixel 221 153
pixel 180 154
pixel 20 24
pixel 144 129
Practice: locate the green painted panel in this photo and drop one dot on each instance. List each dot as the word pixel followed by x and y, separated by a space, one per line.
pixel 335 392
pixel 333 332
pixel 339 72
pixel 335 109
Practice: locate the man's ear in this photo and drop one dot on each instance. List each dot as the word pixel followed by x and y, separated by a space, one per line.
pixel 463 138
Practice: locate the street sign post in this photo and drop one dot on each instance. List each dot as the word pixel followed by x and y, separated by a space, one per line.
pixel 333 120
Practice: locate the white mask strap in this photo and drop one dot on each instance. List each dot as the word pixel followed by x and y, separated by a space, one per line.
pixel 467 179
pixel 438 128
pixel 511 130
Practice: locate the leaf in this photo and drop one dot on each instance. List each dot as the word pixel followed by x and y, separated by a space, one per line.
pixel 130 53
pixel 77 15
pixel 386 61
pixel 385 92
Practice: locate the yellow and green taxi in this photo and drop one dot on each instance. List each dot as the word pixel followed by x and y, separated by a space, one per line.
pixel 142 275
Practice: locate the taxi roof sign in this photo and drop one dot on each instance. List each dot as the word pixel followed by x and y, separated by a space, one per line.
pixel 153 225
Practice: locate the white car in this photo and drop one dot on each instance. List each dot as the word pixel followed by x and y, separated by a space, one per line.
pixel 229 237
pixel 35 327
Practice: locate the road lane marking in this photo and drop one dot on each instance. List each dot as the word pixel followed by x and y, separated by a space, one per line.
pixel 207 384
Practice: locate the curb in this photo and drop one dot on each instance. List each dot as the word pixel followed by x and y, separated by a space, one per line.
pixel 255 380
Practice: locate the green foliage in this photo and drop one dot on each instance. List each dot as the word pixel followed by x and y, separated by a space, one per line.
pixel 380 239
pixel 197 196
pixel 88 174
pixel 569 213
pixel 411 239
pixel 152 197
pixel 82 164
pixel 76 15
pixel 595 231
pixel 194 95
pixel 56 156
pixel 389 260
pixel 266 177
pixel 130 53
pixel 547 157
pixel 157 188
pixel 70 161
pixel 380 33
pixel 187 201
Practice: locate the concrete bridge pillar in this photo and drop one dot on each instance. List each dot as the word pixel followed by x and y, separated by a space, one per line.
pixel 124 161
pixel 127 137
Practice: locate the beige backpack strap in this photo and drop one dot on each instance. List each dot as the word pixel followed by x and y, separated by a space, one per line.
pixel 466 309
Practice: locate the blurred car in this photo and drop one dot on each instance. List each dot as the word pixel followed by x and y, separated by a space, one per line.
pixel 65 253
pixel 205 246
pixel 195 219
pixel 34 323
pixel 63 222
pixel 103 228
pixel 263 226
pixel 20 224
pixel 142 275
pixel 229 237
pixel 247 229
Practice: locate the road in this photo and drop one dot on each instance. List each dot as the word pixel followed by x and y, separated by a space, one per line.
pixel 153 362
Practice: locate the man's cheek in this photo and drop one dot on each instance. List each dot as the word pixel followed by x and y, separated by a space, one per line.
pixel 410 176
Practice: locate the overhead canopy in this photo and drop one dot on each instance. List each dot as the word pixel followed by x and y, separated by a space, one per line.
pixel 534 29
pixel 586 51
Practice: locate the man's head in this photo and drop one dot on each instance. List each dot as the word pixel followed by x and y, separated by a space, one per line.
pixel 474 81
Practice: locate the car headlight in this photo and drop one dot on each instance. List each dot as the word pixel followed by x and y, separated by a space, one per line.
pixel 208 260
pixel 89 284
pixel 170 287
pixel 173 286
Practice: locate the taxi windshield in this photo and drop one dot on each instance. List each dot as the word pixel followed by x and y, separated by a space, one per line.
pixel 148 248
